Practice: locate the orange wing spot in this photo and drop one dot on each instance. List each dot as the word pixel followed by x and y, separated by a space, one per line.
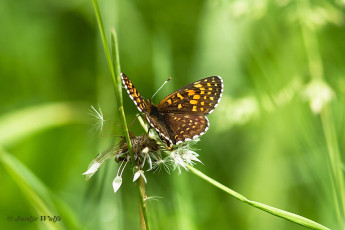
pixel 182 132
pixel 205 97
pixel 179 118
pixel 202 103
pixel 208 84
pixel 193 126
pixel 202 89
pixel 176 136
pixel 195 123
pixel 180 96
pixel 211 98
pixel 193 102
pixel 169 101
pixel 179 107
pixel 138 99
pixel 210 104
pixel 198 85
pixel 194 109
pixel 201 109
pixel 197 97
pixel 215 84
pixel 210 89
pixel 202 92
pixel 191 92
pixel 208 92
pixel 215 93
pixel 191 121
pixel 187 129
pixel 205 80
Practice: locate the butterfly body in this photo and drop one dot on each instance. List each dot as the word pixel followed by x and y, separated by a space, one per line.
pixel 180 116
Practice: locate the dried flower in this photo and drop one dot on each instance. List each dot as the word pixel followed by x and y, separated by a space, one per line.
pixel 146 151
pixel 143 148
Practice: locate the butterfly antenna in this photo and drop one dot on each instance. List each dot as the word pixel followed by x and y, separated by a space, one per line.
pixel 160 87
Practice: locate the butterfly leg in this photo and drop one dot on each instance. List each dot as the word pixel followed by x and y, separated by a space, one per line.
pixel 133 121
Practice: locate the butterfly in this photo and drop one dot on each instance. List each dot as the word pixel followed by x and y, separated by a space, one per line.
pixel 181 116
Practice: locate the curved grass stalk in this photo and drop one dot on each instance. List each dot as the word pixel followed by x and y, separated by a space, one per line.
pixel 272 210
pixel 115 70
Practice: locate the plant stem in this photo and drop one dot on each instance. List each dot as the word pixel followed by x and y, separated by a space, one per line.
pixel 144 223
pixel 275 211
pixel 115 70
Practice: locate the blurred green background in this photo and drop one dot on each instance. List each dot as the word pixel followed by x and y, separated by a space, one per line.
pixel 277 136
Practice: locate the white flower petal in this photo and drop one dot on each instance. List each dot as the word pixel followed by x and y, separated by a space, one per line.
pixel 93 168
pixel 136 176
pixel 117 183
pixel 150 162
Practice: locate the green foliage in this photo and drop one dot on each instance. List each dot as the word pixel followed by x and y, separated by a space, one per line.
pixel 277 136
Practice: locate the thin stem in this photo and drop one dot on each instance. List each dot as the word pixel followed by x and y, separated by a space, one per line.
pixel 115 70
pixel 335 161
pixel 117 87
pixel 274 211
pixel 144 223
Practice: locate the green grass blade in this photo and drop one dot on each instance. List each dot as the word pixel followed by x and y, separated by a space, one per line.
pixel 275 211
pixel 25 122
pixel 31 187
pixel 42 199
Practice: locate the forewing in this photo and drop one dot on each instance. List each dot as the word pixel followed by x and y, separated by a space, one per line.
pixel 133 93
pixel 200 97
pixel 186 127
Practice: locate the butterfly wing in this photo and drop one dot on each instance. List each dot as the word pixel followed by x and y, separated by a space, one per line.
pixel 200 97
pixel 133 93
pixel 185 127
pixel 181 115
pixel 175 128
